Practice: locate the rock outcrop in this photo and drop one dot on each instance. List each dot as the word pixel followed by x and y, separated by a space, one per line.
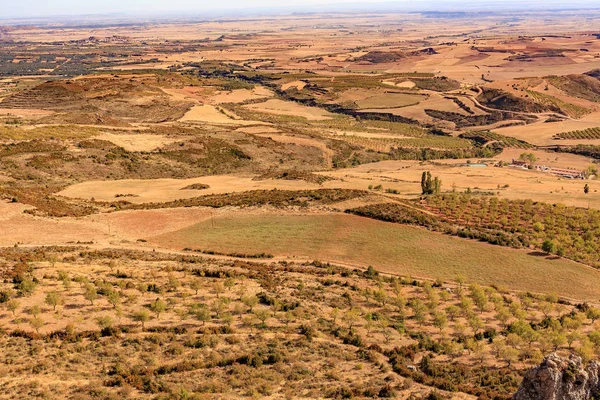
pixel 559 378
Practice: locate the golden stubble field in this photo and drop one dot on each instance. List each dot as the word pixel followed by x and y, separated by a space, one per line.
pixel 403 176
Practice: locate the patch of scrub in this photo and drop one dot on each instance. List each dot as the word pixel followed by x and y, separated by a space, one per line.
pixel 213 115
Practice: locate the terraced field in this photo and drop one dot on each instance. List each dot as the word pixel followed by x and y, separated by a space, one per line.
pixel 590 133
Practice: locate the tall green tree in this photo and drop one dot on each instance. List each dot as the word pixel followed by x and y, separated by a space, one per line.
pixel 429 184
pixel 424 182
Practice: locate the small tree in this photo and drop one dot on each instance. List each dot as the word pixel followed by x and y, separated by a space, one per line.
pixel 90 294
pixel 593 313
pixel 549 247
pixel 475 323
pixel 218 288
pixel 437 185
pixel 142 316
pixel 503 316
pixel 386 331
pixel 250 302
pixel 12 306
pixel 37 323
pixel 113 298
pixel 572 337
pixel 229 283
pixel 227 318
pixel 62 275
pixel 418 311
pixel 35 311
pixel 546 308
pixel 288 317
pixel 66 284
pixel 82 280
pixel 158 306
pixel 218 306
pixel 26 287
pixel 196 285
pixel 424 177
pixel 53 299
pixel 202 314
pixel 558 339
pixel 262 315
pixel 479 297
pixel 351 317
pixel 369 323
pixel 380 296
pixel 440 321
pixel 104 322
pixel 335 313
pixel 452 311
pixel 509 355
pixel 182 313
pixel 528 157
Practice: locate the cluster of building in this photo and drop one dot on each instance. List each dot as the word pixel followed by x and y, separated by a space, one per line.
pixel 568 173
pixel 107 39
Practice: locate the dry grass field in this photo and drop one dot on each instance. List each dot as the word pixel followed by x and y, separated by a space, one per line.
pixel 287 108
pixel 391 248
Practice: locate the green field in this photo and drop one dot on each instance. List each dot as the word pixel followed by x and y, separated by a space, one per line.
pixel 388 247
pixel 391 100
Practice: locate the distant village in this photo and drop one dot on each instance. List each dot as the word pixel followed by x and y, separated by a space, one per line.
pixel 562 172
pixel 569 173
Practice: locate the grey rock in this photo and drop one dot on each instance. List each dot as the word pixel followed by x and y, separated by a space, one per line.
pixel 560 378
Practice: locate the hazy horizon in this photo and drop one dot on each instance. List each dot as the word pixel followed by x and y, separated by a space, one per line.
pixel 69 8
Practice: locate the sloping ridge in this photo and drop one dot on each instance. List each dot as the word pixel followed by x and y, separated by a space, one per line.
pixel 501 100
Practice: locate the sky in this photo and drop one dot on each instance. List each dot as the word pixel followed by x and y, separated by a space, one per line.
pixel 25 8
pixel 44 8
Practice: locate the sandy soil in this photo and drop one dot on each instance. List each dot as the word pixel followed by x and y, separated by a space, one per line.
pixel 136 224
pixel 541 133
pixel 159 190
pixel 25 112
pixel 296 84
pixel 101 229
pixel 136 142
pixel 30 230
pixel 281 107
pixel 401 84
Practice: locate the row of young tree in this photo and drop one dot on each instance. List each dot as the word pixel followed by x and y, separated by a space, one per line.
pixel 374 313
pixel 558 229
